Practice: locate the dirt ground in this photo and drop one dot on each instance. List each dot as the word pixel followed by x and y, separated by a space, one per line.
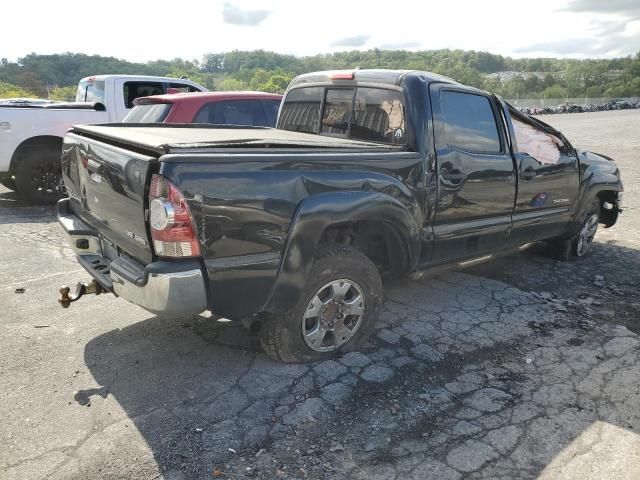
pixel 523 368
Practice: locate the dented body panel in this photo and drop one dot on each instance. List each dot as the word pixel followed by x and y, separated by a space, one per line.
pixel 260 218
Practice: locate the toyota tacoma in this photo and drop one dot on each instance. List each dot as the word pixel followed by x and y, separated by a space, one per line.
pixel 369 173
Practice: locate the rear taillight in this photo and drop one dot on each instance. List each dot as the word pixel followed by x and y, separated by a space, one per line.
pixel 172 229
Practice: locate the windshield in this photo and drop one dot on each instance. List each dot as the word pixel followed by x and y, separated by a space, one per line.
pixel 154 113
pixel 90 91
pixel 360 113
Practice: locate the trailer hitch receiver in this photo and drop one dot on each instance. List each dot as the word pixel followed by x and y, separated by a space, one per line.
pixel 82 288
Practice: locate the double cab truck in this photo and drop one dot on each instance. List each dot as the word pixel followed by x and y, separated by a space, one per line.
pixel 31 132
pixel 219 108
pixel 370 173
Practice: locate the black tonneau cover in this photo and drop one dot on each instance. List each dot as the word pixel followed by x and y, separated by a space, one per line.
pixel 173 138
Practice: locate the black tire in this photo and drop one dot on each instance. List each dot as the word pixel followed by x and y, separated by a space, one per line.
pixel 282 336
pixel 38 176
pixel 8 182
pixel 573 248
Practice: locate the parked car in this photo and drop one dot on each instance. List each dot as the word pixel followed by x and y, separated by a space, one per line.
pixel 230 108
pixel 31 132
pixel 369 173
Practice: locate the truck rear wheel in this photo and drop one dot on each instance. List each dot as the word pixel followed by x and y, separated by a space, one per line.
pixel 8 181
pixel 337 311
pixel 38 176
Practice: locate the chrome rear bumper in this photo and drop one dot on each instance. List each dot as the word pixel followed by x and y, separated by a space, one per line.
pixel 164 288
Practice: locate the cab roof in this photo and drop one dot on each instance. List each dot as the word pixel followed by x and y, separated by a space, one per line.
pixel 383 76
pixel 93 78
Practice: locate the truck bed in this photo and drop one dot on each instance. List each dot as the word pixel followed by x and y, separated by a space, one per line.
pixel 170 138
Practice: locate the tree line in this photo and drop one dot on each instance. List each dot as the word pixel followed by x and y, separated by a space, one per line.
pixel 55 76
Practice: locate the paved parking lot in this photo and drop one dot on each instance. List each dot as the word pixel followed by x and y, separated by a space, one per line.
pixel 523 368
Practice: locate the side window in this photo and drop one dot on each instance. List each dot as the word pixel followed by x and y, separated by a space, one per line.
pixel 133 90
pixel 543 146
pixel 337 111
pixel 469 122
pixel 271 111
pixel 301 110
pixel 233 112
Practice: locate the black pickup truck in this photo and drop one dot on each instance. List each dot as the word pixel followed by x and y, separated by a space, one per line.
pixel 369 173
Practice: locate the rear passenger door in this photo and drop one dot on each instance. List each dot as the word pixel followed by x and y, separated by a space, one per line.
pixel 476 174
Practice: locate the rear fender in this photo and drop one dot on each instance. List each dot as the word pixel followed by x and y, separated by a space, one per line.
pixel 314 216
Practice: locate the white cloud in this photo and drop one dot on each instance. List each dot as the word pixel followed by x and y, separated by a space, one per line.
pixel 235 15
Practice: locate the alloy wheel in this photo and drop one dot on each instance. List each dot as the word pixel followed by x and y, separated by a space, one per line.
pixel 334 314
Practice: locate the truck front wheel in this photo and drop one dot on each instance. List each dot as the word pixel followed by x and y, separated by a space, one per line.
pixel 38 176
pixel 580 244
pixel 337 311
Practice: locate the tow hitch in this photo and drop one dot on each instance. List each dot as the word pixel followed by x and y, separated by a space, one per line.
pixel 82 288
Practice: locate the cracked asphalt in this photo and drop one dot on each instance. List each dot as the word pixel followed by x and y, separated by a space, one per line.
pixel 523 368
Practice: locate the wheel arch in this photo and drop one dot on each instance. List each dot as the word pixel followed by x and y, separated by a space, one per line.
pixel 40 141
pixel 601 183
pixel 320 215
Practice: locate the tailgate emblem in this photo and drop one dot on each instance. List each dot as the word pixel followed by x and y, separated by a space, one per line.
pixel 137 238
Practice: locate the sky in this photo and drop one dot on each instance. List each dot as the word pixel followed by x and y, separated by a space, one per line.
pixel 142 31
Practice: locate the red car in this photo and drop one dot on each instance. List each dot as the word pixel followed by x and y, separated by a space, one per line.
pixel 225 108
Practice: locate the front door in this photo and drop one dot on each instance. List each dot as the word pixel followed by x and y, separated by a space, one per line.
pixel 476 175
pixel 548 180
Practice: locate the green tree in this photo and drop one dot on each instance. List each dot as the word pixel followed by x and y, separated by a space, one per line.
pixel 8 90
pixel 555 91
pixel 259 79
pixel 277 83
pixel 231 84
pixel 66 94
pixel 194 76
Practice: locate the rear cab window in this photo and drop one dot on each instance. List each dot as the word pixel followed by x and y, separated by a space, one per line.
pixel 135 89
pixel 301 110
pixel 361 113
pixel 271 108
pixel 252 112
pixel 90 91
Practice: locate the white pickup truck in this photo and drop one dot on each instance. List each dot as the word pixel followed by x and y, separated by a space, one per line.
pixel 31 133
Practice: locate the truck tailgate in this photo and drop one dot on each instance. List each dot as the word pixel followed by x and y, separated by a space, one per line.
pixel 106 185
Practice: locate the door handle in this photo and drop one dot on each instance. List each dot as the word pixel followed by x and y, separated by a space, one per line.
pixel 454 176
pixel 528 173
